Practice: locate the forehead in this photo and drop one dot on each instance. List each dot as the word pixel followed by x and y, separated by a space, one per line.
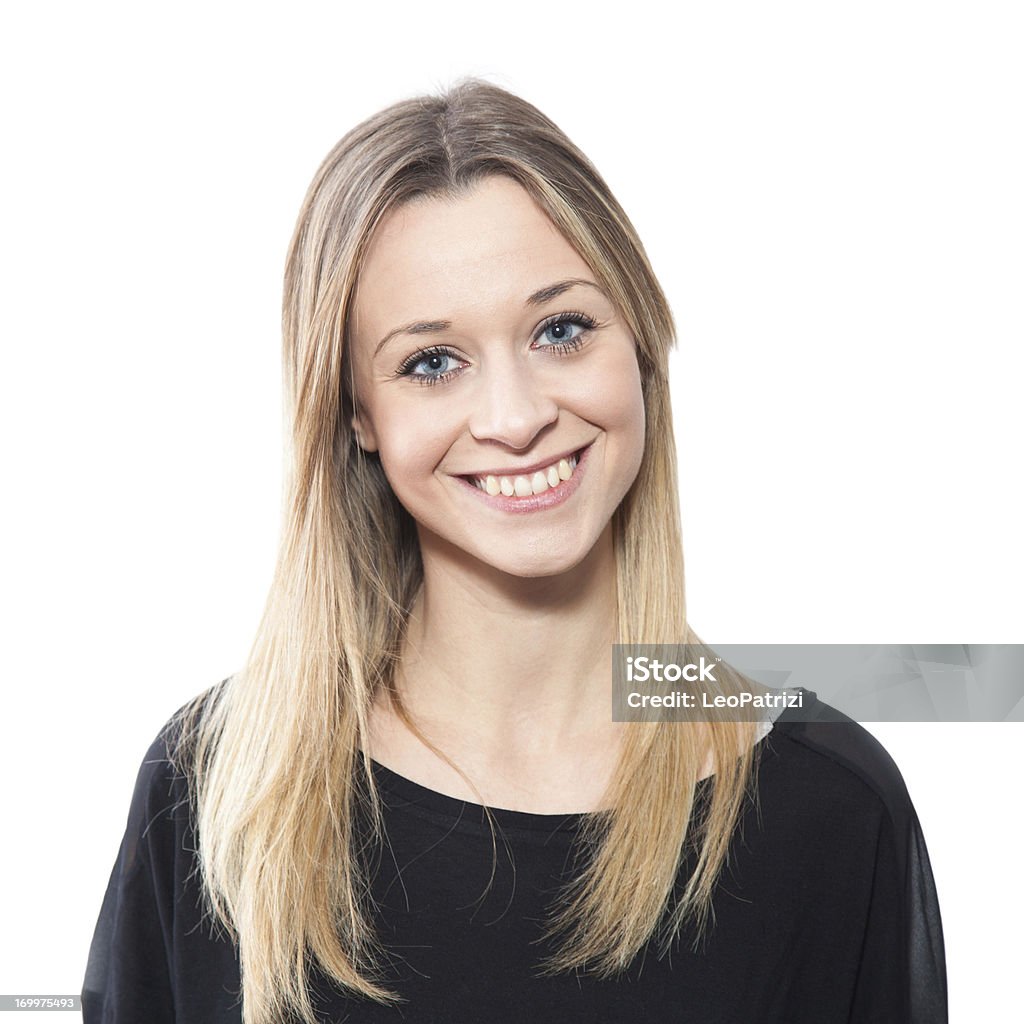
pixel 435 256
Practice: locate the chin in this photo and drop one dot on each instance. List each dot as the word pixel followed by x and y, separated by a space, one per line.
pixel 537 564
pixel 558 553
pixel 536 572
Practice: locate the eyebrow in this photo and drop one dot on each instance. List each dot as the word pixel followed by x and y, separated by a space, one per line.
pixel 538 298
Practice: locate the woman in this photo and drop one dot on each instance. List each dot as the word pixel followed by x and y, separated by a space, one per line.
pixel 412 802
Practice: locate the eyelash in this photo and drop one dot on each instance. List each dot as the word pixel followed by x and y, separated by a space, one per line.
pixel 560 348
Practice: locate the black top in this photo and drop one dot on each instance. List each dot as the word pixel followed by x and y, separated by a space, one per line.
pixel 826 911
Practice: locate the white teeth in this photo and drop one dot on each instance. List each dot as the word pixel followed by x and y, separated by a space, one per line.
pixel 524 486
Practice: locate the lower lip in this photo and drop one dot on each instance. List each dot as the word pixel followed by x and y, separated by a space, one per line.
pixel 535 502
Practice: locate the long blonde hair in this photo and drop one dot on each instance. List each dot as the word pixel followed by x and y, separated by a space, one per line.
pixel 278 768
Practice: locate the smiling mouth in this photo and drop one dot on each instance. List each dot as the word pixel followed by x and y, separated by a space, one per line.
pixel 526 485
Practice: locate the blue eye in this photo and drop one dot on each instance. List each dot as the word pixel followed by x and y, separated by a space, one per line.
pixel 566 330
pixel 437 363
pixel 562 331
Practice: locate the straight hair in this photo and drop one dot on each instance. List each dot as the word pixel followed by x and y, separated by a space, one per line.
pixel 280 778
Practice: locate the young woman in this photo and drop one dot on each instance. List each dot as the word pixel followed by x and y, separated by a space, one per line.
pixel 413 803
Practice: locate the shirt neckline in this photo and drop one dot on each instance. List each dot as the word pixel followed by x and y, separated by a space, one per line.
pixel 465 815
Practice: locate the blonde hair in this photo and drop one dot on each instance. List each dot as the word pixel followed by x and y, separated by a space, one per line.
pixel 279 771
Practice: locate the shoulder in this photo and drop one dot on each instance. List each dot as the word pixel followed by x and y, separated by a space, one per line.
pixel 161 797
pixel 826 752
pixel 172 749
pixel 844 817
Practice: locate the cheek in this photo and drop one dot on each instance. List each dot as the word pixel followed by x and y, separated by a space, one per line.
pixel 615 397
pixel 633 429
pixel 626 404
pixel 411 446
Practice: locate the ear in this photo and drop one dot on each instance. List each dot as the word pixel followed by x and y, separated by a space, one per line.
pixel 365 436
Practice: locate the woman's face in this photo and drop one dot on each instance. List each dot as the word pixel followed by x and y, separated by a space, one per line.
pixel 486 361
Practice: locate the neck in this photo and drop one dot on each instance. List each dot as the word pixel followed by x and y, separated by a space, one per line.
pixel 510 674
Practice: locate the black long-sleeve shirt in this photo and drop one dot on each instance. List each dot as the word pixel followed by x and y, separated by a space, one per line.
pixel 826 912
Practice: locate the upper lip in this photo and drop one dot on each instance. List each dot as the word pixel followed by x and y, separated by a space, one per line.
pixel 552 460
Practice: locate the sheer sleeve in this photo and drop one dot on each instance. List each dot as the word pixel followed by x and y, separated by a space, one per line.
pixel 902 973
pixel 925 947
pixel 128 975
pixel 902 976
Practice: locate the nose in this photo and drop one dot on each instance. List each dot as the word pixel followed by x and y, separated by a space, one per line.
pixel 511 406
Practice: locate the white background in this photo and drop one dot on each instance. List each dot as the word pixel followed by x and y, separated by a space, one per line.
pixel 830 194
